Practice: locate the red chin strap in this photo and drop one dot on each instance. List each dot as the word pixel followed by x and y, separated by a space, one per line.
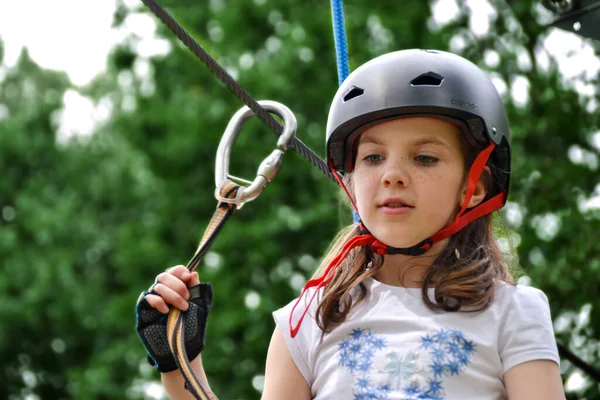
pixel 327 276
pixel 461 220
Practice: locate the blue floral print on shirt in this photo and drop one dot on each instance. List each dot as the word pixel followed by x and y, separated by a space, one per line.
pixel 356 353
pixel 450 352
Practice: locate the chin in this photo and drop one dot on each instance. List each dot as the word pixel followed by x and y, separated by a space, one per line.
pixel 398 240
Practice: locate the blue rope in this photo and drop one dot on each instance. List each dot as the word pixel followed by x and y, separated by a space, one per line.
pixel 339 35
pixel 341 51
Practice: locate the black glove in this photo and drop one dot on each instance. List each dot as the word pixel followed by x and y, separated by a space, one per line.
pixel 152 328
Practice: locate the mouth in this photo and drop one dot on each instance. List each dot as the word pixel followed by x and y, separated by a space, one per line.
pixel 395 202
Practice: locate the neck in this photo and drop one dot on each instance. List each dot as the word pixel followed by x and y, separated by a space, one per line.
pixel 408 271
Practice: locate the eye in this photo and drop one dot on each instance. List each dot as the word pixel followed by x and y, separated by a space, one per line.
pixel 372 158
pixel 426 160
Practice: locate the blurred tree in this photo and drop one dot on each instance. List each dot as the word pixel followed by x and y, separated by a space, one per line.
pixel 70 214
pixel 88 224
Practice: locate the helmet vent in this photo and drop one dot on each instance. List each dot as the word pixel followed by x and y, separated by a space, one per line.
pixel 428 79
pixel 354 92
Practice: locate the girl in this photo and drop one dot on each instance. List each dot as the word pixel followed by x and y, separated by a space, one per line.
pixel 414 301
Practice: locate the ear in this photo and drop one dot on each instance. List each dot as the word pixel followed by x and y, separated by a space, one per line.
pixel 480 190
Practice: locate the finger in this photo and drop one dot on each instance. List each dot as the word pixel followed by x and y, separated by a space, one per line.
pixel 179 271
pixel 194 280
pixel 174 283
pixel 158 303
pixel 171 297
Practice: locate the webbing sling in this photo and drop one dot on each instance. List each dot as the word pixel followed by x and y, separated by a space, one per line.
pixel 177 319
pixel 232 197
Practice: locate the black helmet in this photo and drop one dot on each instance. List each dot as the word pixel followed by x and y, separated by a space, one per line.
pixel 420 83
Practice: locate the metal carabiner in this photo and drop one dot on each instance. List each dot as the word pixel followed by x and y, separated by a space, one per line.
pixel 268 168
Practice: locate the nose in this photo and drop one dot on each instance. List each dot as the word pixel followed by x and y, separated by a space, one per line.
pixel 395 175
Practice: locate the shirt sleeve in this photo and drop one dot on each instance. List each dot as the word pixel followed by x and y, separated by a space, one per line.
pixel 301 347
pixel 527 332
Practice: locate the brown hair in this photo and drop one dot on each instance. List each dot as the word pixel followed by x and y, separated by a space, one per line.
pixel 464 274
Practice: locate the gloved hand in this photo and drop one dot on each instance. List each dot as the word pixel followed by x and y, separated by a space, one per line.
pixel 171 290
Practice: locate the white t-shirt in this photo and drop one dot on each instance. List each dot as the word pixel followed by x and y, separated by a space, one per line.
pixel 392 346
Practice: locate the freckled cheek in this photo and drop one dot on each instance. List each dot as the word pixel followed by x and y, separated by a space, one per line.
pixel 443 196
pixel 436 184
pixel 365 188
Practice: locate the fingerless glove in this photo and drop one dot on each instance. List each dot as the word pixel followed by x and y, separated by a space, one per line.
pixel 152 328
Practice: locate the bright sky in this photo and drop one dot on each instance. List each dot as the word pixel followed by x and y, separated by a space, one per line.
pixel 68 35
pixel 76 35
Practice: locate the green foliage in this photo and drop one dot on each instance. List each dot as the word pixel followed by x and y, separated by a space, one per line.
pixel 87 225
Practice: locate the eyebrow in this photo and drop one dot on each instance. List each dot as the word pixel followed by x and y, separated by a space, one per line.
pixel 419 142
pixel 369 139
pixel 430 140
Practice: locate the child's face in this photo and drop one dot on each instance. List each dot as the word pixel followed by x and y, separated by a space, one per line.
pixel 408 178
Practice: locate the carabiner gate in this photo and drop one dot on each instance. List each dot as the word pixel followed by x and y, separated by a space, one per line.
pixel 268 168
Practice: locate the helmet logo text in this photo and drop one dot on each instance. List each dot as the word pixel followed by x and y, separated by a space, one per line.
pixel 464 103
